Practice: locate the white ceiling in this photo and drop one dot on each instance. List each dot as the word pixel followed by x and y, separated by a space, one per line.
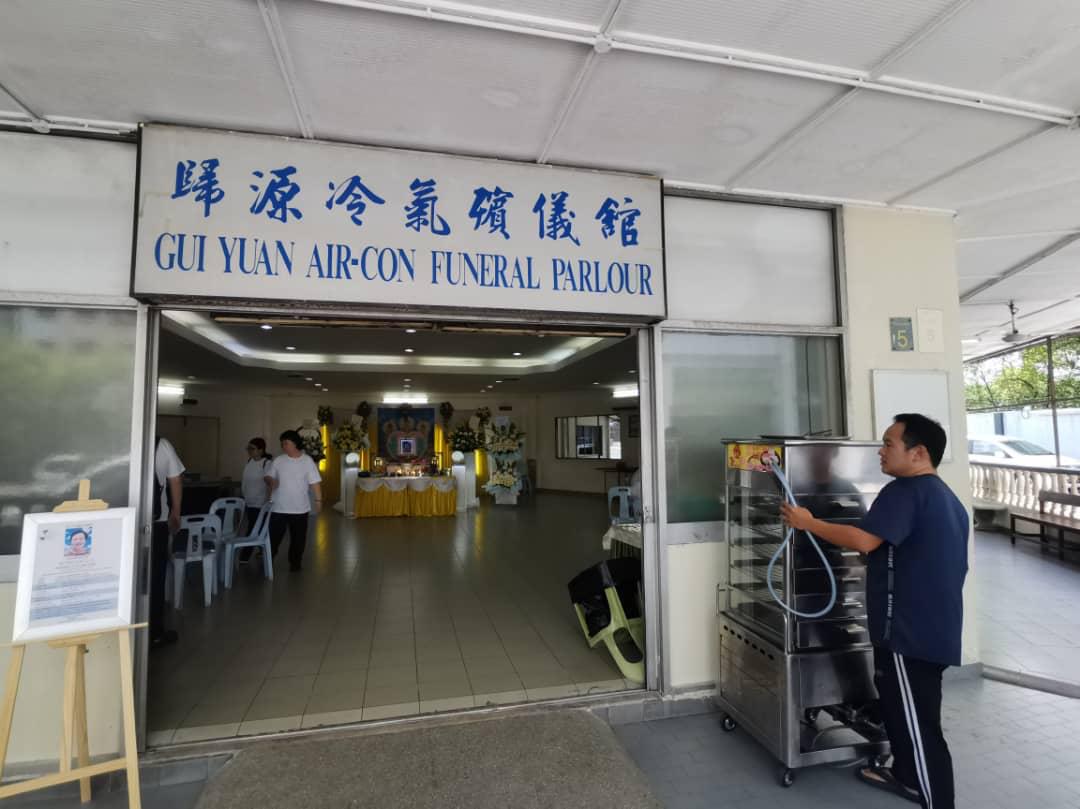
pixel 964 105
pixel 201 353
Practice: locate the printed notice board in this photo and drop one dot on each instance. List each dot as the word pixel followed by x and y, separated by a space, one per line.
pixel 75 573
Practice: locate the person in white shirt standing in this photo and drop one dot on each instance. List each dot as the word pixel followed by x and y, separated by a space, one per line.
pixel 168 495
pixel 255 486
pixel 292 476
pixel 256 482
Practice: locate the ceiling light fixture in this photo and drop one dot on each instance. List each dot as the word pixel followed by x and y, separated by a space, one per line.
pixel 408 379
pixel 633 371
pixel 410 331
pixel 404 397
pixel 307 379
pixel 517 353
pixel 498 381
pixel 266 327
pixel 408 351
pixel 596 383
pixel 190 376
pixel 625 392
pixel 290 348
pixel 166 389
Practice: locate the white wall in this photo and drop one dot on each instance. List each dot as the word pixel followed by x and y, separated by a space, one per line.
pixel 66 215
pixel 898 262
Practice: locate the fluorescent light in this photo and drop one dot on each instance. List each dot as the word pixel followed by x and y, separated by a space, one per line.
pixel 410 331
pixel 408 379
pixel 190 376
pixel 517 353
pixel 625 392
pixel 404 397
pixel 170 390
pixel 290 348
pixel 266 327
pixel 408 351
pixel 307 379
pixel 498 381
pixel 633 371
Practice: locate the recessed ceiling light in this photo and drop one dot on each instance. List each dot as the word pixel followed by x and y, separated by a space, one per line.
pixel 408 351
pixel 491 387
pixel 406 386
pixel 266 327
pixel 517 353
pixel 498 381
pixel 307 378
pixel 407 379
pixel 319 384
pixel 290 348
pixel 190 377
pixel 596 383
pixel 410 331
pixel 326 390
pixel 633 371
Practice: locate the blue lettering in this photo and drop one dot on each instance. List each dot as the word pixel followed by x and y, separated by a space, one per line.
pixel 620 273
pixel 384 273
pixel 262 258
pixel 316 263
pixel 584 270
pixel 471 266
pixel 646 276
pixel 408 261
pixel 364 262
pixel 500 271
pixel 171 257
pixel 284 257
pixel 529 264
pixel 344 258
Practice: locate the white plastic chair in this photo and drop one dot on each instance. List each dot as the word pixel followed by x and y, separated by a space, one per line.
pixel 203 535
pixel 258 538
pixel 230 510
pixel 621 494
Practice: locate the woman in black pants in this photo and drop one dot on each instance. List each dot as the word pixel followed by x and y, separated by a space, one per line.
pixel 292 476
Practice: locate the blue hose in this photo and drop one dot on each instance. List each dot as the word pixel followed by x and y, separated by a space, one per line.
pixel 789 535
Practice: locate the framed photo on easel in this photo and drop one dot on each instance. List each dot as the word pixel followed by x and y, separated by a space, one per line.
pixel 75 573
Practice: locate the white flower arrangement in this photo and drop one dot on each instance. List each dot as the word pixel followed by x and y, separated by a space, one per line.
pixel 349 437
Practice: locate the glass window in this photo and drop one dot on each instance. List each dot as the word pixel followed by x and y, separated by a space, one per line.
pixel 65 409
pixel 589 437
pixel 719 387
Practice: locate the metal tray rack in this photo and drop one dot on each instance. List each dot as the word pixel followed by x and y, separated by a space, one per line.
pixel 803 687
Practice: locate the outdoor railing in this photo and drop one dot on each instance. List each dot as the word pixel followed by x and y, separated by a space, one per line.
pixel 1004 485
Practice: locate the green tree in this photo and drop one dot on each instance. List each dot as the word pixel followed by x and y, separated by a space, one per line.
pixel 1021 378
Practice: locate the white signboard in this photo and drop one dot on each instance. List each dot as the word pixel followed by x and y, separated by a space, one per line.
pixel 75 573
pixel 229 215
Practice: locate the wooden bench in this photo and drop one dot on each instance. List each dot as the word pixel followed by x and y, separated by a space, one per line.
pixel 1062 522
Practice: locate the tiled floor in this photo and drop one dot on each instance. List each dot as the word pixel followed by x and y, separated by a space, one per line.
pixel 1028 608
pixel 390 617
pixel 1011 748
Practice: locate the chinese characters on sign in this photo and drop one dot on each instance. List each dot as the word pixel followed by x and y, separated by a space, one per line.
pixel 276 191
pixel 231 215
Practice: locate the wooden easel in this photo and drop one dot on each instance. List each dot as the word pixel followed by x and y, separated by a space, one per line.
pixel 74 734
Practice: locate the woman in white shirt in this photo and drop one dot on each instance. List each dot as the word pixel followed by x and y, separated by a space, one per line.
pixel 255 485
pixel 292 475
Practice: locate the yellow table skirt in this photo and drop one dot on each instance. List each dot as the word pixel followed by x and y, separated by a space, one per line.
pixel 406 503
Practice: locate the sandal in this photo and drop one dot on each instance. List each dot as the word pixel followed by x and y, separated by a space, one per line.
pixel 883 778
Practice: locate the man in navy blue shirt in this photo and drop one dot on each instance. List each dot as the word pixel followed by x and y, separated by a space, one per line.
pixel 915 537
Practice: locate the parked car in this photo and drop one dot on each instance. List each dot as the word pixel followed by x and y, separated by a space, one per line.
pixel 1007 449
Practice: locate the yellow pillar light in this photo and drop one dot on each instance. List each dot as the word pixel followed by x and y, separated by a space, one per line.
pixel 324 431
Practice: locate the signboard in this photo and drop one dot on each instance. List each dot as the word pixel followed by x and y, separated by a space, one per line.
pixel 75 573
pixel 753 457
pixel 901 334
pixel 227 215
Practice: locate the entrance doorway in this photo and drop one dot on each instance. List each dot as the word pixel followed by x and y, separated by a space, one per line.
pixel 418 592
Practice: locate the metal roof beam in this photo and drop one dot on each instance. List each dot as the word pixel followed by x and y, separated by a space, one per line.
pixel 272 21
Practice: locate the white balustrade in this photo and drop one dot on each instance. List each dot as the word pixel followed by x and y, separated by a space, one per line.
pixel 1017 487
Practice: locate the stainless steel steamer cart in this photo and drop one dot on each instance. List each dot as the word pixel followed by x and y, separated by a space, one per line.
pixel 803 687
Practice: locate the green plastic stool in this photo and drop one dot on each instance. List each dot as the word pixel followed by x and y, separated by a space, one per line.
pixel 623 636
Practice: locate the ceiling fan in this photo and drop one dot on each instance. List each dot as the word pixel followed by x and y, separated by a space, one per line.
pixel 1013 336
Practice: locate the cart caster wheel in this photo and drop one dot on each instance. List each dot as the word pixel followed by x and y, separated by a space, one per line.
pixel 811 715
pixel 787 779
pixel 881 759
pixel 728 724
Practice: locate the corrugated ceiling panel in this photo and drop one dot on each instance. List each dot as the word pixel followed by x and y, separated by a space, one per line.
pixel 848 33
pixel 1049 158
pixel 1025 50
pixel 878 146
pixel 201 62
pixel 1054 208
pixel 380 78
pixel 584 12
pixel 1032 286
pixel 986 259
pixel 681 120
pixel 7 103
